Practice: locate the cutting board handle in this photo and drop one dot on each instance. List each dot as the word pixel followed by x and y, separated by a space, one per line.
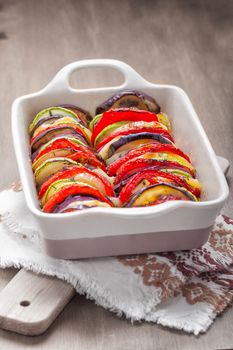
pixel 30 302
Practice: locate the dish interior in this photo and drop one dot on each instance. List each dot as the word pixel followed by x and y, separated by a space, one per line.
pixel 189 135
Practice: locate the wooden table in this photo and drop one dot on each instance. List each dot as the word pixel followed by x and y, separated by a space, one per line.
pixel 186 43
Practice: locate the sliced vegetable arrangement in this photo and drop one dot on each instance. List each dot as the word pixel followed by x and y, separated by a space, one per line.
pixel 125 156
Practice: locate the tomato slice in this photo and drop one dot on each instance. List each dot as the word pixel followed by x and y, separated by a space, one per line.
pixel 72 190
pixel 69 210
pixel 72 171
pixel 113 116
pixel 134 131
pixel 152 177
pixel 137 164
pixel 61 143
pixel 86 158
pixel 156 147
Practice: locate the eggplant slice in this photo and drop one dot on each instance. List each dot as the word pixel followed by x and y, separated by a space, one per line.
pixel 84 115
pixel 116 144
pixel 79 203
pixel 60 130
pixel 148 195
pixel 130 99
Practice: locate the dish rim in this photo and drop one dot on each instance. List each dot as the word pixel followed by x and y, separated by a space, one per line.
pixel 129 212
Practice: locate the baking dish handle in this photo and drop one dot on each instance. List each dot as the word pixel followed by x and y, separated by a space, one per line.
pixel 224 164
pixel 131 77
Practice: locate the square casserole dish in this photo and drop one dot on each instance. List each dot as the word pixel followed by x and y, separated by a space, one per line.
pixel 174 225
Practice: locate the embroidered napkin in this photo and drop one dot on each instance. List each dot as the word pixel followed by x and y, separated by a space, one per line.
pixel 182 290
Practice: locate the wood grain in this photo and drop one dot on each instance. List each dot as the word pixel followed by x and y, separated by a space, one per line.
pixel 186 43
pixel 31 302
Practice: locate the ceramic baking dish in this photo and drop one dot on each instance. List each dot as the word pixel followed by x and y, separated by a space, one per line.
pixel 96 232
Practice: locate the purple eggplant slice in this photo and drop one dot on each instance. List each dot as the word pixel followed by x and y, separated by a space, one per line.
pixel 48 120
pixel 59 130
pixel 143 135
pixel 130 99
pixel 127 142
pixel 79 203
pixel 118 187
pixel 155 193
pixel 84 115
pixel 69 200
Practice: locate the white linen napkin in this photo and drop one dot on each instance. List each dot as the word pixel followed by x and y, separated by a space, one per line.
pixel 182 290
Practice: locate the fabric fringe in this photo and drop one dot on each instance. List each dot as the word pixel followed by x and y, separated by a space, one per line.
pixel 85 286
pixel 203 320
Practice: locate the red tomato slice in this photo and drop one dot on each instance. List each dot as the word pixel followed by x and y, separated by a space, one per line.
pixel 114 116
pixel 155 147
pixel 62 143
pixel 72 190
pixel 85 158
pixel 69 210
pixel 69 173
pixel 153 177
pixel 137 164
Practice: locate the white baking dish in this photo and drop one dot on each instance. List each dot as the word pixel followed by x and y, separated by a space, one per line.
pixel 111 231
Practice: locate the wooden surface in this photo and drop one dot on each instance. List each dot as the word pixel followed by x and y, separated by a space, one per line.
pixel 187 43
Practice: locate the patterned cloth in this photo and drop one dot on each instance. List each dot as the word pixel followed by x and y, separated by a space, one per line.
pixel 183 290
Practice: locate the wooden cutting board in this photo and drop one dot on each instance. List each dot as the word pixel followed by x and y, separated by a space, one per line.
pixel 30 302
